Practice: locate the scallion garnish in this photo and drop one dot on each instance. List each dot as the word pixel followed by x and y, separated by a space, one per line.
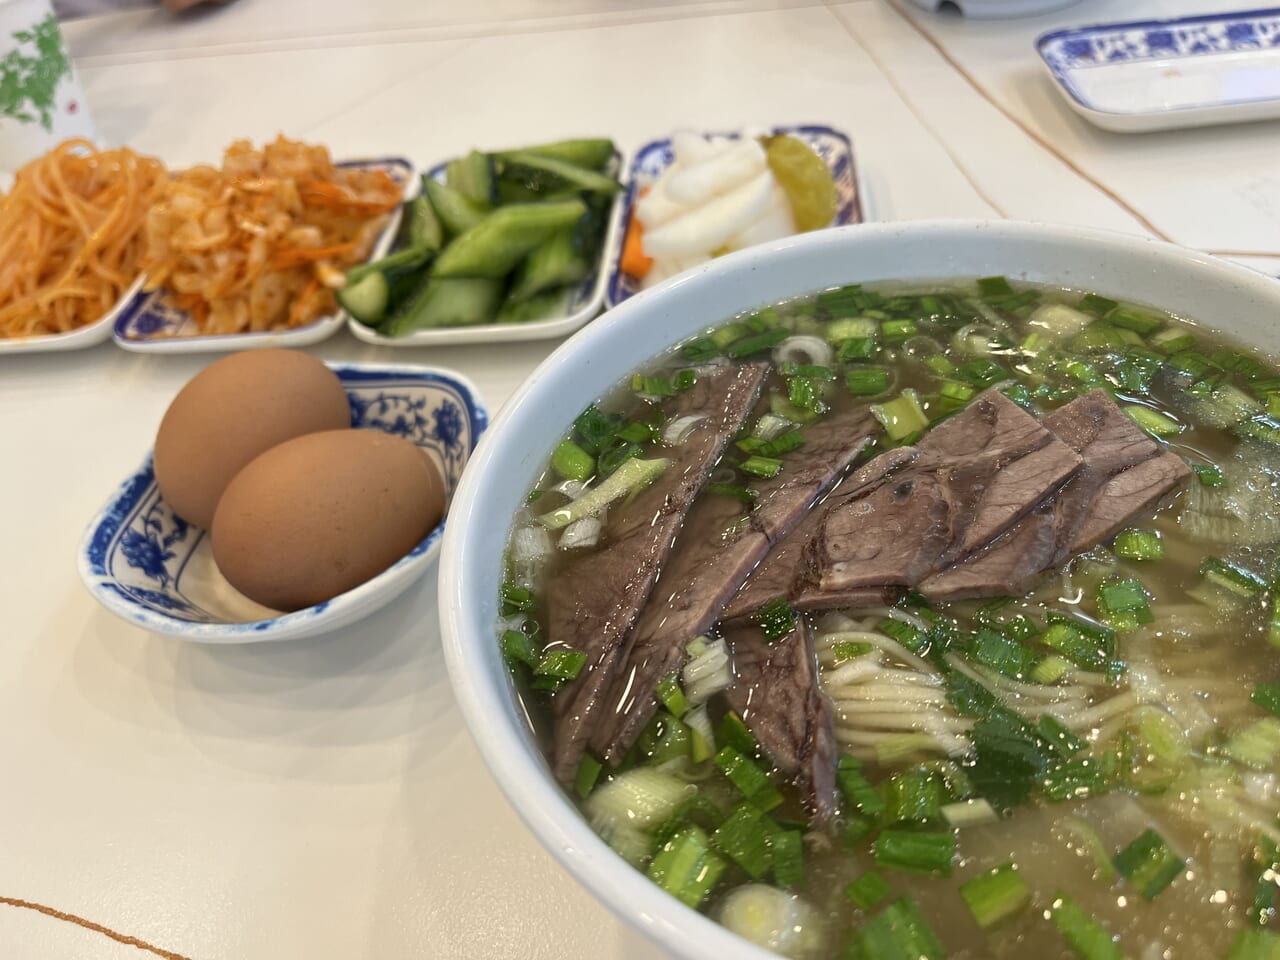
pixel 1089 939
pixel 1002 654
pixel 996 896
pixel 700 349
pixel 776 618
pixel 763 467
pixel 744 839
pixel 1096 304
pixel 911 796
pixel 982 372
pixel 788 857
pixel 901 416
pixel 918 851
pixel 757 342
pixel 853 349
pixel 994 287
pixel 516 599
pixel 671 696
pixel 752 782
pixel 571 462
pixel 898 932
pixel 867 381
pixel 1139 545
pixel 684 379
pixel 1255 944
pixel 1128 318
pixel 1267 696
pixel 595 429
pixel 743 494
pixel 1155 423
pixel 896 331
pixel 686 867
pixel 517 649
pixel 732 732
pixel 557 667
pixel 868 890
pixel 588 773
pixel 1231 578
pixel 1148 864
pixel 905 633
pixel 652 386
pixel 857 789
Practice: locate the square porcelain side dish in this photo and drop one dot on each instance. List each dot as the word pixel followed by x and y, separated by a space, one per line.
pixel 151 568
pixel 581 307
pixel 1161 74
pixel 150 323
pixel 655 157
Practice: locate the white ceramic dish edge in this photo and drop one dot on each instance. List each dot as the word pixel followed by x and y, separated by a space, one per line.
pixel 89 335
pixel 496 479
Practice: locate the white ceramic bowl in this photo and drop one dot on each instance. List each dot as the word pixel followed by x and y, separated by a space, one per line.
pixel 514 449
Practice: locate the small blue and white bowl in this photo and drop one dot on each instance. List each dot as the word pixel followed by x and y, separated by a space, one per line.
pixel 150 567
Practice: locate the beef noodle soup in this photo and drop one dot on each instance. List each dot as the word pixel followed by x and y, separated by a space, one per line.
pixel 898 623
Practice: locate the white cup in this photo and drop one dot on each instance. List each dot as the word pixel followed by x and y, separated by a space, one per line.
pixel 41 102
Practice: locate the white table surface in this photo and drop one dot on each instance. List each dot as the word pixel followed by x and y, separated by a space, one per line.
pixel 323 799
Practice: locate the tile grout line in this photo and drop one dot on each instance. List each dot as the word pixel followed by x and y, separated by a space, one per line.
pixel 892 81
pixel 1044 144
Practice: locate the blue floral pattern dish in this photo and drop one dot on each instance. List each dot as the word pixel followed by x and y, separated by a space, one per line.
pixel 582 306
pixel 1158 74
pixel 653 159
pixel 151 323
pixel 150 567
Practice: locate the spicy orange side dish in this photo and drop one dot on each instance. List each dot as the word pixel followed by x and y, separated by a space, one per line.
pixel 71 236
pixel 261 243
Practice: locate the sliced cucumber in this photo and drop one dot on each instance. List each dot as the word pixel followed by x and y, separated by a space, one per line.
pixel 493 247
pixel 557 263
pixel 473 177
pixel 548 305
pixel 366 299
pixel 410 258
pixel 457 214
pixel 591 154
pixel 423 226
pixel 544 175
pixel 446 302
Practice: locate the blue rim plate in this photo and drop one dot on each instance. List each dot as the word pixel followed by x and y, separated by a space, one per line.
pixel 654 157
pixel 1159 74
pixel 583 306
pixel 150 323
pixel 151 568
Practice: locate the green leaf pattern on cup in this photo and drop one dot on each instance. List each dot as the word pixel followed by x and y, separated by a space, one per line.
pixel 28 83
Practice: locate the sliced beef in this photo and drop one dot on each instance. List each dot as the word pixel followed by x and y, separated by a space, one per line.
pixel 975 475
pixel 778 574
pixel 593 601
pixel 1124 473
pixel 719 545
pixel 776 692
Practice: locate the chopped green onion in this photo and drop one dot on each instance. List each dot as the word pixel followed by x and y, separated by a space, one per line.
pixel 1087 839
pixel 850 649
pixel 804 393
pixel 996 896
pixel 557 667
pixel 788 857
pixel 700 349
pixel 596 428
pixel 516 599
pixel 764 319
pixel 672 696
pixel 734 733
pixel 777 447
pixel 1257 745
pixel 1002 654
pixel 940 364
pixel 740 493
pixel 1076 645
pixel 571 462
pixel 894 748
pixel 652 386
pixel 616 454
pixel 857 789
pixel 1267 696
pixel 757 342
pixel 1088 938
pixel 665 739
pixel 898 932
pixel 867 381
pixel 752 782
pixel 905 633
pixel 911 796
pixel 639 432
pixel 1255 945
pixel 896 331
pixel 994 287
pixel 868 890
pixel 1152 421
pixel 1075 779
pixel 1056 734
pixel 1149 864
pixel 723 336
pixel 1173 340
pixel 917 851
pixel 588 773
pixel 684 379
pixel 843 300
pixel 901 416
pixel 763 467
pixel 969 813
pixel 1139 545
pixel 516 648
pixel 628 478
pixel 857 348
pixel 1129 319
pixel 1230 577
pixel 982 372
pixel 956 391
pixel 686 867
pixel 776 618
pixel 1051 669
pixel 1097 304
pixel 744 839
pixel 851 328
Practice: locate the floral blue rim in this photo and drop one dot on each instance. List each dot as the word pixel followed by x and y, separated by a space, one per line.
pixel 1078 48
pixel 152 315
pixel 654 157
pixel 137 550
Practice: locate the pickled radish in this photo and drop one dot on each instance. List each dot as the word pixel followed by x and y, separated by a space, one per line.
pixel 708 227
pixel 777 222
pixel 716 175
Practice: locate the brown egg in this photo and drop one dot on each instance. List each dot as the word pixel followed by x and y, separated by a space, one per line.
pixel 320 514
pixel 233 410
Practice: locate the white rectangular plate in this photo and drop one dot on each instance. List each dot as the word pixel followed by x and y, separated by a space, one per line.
pixel 581 307
pixel 150 323
pixel 1161 74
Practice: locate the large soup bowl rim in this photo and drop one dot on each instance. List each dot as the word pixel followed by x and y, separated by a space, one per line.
pixel 523 434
